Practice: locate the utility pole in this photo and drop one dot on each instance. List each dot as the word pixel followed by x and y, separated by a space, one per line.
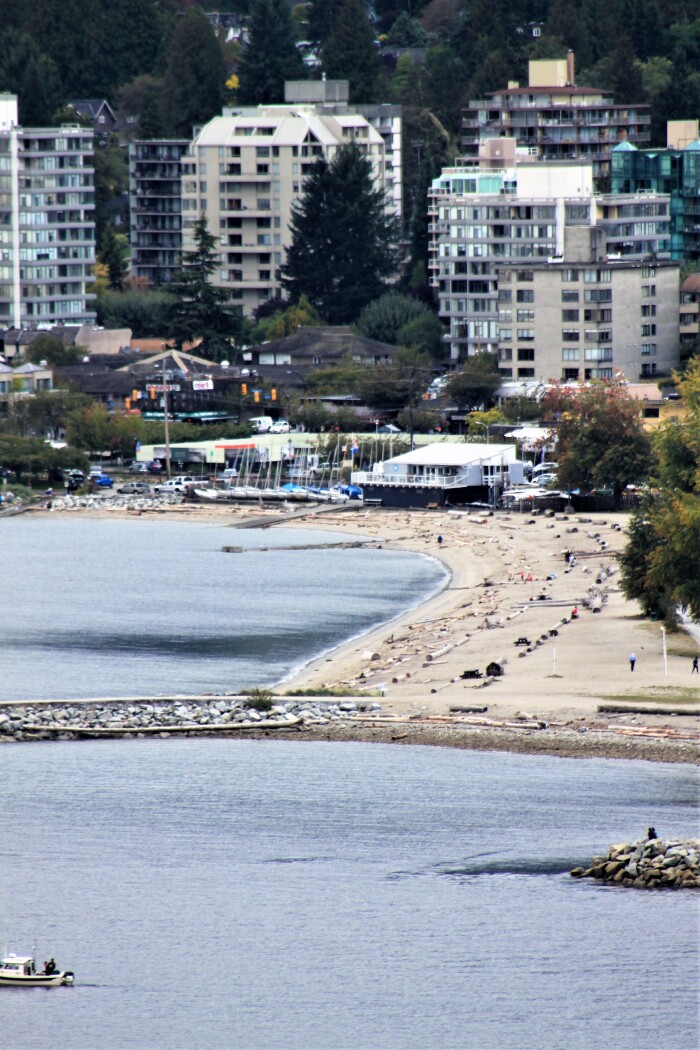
pixel 167 424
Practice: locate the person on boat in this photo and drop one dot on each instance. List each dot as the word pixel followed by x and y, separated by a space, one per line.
pixel 50 967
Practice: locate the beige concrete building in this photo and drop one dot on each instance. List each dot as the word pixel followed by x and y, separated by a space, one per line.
pixel 573 322
pixel 246 169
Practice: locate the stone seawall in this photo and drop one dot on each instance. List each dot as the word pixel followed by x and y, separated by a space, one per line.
pixel 648 864
pixel 52 720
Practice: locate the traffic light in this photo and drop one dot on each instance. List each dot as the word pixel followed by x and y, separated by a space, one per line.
pixel 244 389
pixel 256 396
pixel 127 403
pixel 134 395
pixel 273 394
pixel 153 393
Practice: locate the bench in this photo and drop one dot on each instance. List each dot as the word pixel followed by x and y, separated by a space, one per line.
pixel 372 502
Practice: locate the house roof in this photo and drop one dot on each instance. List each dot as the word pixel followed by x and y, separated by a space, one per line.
pixel 327 341
pixel 91 107
pixel 691 283
pixel 452 454
pixel 181 361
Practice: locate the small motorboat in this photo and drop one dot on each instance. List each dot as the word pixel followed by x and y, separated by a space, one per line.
pixel 19 971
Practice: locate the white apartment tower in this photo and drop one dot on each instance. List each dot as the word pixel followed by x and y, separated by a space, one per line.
pixel 246 168
pixel 47 228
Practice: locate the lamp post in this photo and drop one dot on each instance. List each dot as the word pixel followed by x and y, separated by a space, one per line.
pixel 663 649
pixel 486 426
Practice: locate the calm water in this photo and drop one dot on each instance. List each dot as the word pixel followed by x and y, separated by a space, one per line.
pixel 125 608
pixel 264 894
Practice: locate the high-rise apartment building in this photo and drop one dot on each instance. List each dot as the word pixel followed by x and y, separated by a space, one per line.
pixel 155 196
pixel 47 228
pixel 554 118
pixel 246 168
pixel 675 171
pixel 508 211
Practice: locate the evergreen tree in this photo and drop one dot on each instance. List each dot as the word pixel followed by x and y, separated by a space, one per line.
pixel 349 51
pixel 195 75
pixel 270 57
pixel 151 117
pixel 112 255
pixel 320 17
pixel 343 243
pixel 199 310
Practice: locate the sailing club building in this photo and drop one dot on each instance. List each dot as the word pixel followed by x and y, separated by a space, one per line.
pixel 444 474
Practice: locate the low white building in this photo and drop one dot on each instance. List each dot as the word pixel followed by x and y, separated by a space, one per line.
pixel 442 474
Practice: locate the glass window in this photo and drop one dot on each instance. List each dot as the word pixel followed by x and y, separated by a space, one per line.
pixel 525 295
pixel 569 315
pixel 569 296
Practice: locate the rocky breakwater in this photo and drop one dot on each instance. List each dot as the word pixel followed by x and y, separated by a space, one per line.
pixel 69 721
pixel 649 864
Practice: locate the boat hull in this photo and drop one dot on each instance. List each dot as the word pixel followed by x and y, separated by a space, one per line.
pixel 37 980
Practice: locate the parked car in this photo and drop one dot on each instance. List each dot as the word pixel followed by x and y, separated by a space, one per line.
pixel 138 468
pixel 177 484
pixel 102 481
pixel 229 473
pixel 282 426
pixel 96 472
pixel 135 488
pixel 155 467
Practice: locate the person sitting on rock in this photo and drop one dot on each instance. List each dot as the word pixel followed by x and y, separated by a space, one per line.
pixel 651 833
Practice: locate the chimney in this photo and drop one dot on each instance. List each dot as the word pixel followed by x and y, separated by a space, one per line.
pixel 570 81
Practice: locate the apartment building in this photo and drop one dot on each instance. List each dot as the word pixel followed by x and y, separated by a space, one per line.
pixel 566 322
pixel 510 209
pixel 690 314
pixel 554 118
pixel 675 171
pixel 246 168
pixel 155 198
pixel 47 229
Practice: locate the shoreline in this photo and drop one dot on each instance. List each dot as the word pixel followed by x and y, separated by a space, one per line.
pixel 507 582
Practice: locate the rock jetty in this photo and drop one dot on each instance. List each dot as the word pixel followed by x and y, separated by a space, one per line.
pixel 52 720
pixel 649 864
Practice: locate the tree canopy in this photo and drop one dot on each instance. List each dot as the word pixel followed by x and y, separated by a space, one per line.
pixel 270 56
pixel 661 563
pixel 195 75
pixel 474 385
pixel 199 309
pixel 343 246
pixel 601 439
pixel 349 52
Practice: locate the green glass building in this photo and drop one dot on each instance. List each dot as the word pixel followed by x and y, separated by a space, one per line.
pixel 672 171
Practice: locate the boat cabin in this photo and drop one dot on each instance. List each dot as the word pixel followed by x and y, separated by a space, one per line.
pixel 18 964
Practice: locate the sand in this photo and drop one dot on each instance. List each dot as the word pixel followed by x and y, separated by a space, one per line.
pixel 508 581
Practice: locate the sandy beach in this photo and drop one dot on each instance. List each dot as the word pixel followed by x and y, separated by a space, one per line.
pixel 509 601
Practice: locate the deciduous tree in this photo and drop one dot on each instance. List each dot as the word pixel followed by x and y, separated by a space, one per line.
pixel 474 385
pixel 601 440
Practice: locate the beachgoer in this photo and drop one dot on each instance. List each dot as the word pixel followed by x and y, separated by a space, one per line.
pixel 696 669
pixel 633 660
pixel 651 833
pixel 574 613
pixel 439 541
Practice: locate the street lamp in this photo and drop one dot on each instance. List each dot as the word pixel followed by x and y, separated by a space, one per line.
pixel 487 427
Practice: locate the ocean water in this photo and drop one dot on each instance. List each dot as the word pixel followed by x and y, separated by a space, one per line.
pixel 143 607
pixel 272 895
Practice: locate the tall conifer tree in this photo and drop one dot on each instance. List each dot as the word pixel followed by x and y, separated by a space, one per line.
pixel 343 246
pixel 270 57
pixel 349 51
pixel 195 75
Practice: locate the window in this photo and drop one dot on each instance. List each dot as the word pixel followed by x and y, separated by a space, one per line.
pixel 649 310
pixel 569 315
pixel 569 275
pixel 570 335
pixel 506 334
pixel 569 374
pixel 505 354
pixel 505 295
pixel 526 355
pixel 569 355
pixel 648 329
pixel 526 335
pixel 262 151
pixel 525 295
pixel 524 275
pixel 647 290
pixel 506 315
pixel 526 315
pixel 569 297
pixel 648 349
pixel 526 373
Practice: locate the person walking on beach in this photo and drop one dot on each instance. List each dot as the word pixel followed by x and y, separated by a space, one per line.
pixel 633 660
pixel 695 670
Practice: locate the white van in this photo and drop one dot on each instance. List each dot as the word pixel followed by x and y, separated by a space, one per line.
pixel 261 424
